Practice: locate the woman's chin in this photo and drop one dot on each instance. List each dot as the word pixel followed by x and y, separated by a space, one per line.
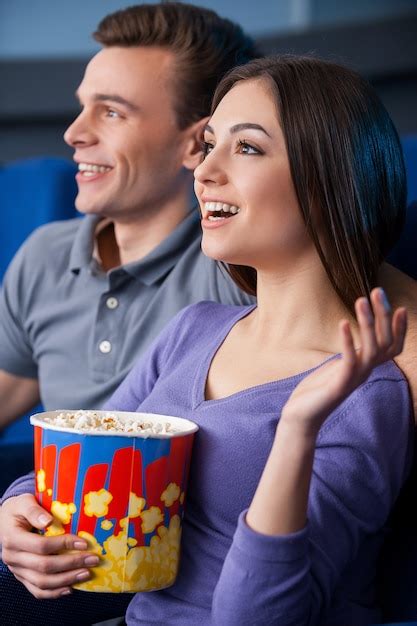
pixel 218 253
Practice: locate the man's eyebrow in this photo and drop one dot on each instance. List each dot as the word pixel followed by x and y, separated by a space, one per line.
pixel 112 97
pixel 238 127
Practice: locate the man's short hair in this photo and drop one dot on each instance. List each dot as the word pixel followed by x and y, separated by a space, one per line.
pixel 205 46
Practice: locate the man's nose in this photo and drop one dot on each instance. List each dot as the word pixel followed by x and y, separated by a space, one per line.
pixel 79 132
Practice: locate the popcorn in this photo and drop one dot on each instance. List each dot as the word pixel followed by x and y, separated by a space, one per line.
pixel 118 480
pixel 108 422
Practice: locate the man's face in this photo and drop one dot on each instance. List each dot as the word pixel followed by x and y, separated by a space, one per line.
pixel 126 138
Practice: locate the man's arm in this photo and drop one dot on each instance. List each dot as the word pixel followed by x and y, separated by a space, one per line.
pixel 17 396
pixel 402 291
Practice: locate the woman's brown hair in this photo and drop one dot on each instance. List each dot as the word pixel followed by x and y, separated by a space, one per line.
pixel 346 164
pixel 205 47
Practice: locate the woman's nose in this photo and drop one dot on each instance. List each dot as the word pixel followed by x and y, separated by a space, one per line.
pixel 211 169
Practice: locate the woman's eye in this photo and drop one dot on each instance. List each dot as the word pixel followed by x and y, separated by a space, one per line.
pixel 245 148
pixel 207 148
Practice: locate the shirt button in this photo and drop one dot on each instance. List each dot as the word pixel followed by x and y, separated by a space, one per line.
pixel 112 303
pixel 105 347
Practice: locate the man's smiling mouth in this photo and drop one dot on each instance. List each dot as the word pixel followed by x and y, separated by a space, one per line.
pixel 92 169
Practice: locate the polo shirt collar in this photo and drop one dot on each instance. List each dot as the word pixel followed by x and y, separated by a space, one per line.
pixel 83 246
pixel 164 257
pixel 154 265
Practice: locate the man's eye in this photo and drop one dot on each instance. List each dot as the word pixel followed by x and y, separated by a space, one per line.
pixel 112 113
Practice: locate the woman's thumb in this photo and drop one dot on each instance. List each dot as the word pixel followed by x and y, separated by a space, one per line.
pixel 36 516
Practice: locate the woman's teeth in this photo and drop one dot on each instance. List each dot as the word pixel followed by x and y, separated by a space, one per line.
pixel 90 169
pixel 219 210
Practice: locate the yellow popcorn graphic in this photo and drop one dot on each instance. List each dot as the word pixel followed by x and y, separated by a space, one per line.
pixel 49 492
pixel 136 504
pixel 56 528
pixel 171 493
pixel 41 480
pixel 125 568
pixel 106 524
pixel 93 545
pixel 151 518
pixel 62 511
pixel 97 503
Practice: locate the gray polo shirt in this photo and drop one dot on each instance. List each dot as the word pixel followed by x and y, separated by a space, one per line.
pixel 79 329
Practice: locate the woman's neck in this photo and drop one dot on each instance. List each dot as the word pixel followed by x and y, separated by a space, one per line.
pixel 299 309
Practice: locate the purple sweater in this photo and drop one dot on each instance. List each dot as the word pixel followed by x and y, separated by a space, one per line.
pixel 230 575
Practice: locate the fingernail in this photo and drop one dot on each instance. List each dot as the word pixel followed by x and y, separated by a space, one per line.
pixel 44 519
pixel 91 560
pixel 83 575
pixel 384 300
pixel 80 545
pixel 66 592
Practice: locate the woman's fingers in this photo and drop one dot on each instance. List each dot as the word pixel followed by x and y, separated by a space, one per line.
pixel 22 540
pixel 383 319
pixel 42 594
pixel 52 564
pixel 399 327
pixel 369 347
pixel 382 332
pixel 51 582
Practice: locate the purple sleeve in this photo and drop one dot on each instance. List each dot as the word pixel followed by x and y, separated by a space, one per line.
pixel 362 458
pixel 24 484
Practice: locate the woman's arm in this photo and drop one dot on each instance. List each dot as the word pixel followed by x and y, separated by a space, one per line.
pixel 282 569
pixel 308 407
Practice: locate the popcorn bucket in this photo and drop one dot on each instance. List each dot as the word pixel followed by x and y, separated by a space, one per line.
pixel 122 492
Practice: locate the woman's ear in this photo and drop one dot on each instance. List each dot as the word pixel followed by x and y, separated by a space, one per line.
pixel 193 144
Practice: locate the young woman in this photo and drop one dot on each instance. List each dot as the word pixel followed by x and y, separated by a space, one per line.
pixel 304 418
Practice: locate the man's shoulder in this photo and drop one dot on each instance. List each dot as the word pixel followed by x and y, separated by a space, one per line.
pixel 46 251
pixel 402 291
pixel 55 234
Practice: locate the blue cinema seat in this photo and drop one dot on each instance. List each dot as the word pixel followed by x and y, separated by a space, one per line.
pixel 32 192
pixel 409 143
pixel 404 254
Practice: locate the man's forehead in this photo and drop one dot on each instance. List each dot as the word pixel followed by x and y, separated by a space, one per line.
pixel 135 61
pixel 127 71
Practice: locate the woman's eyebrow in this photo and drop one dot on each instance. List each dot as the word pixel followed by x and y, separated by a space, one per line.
pixel 238 127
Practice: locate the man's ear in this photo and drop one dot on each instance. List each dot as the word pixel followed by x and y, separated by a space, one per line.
pixel 193 146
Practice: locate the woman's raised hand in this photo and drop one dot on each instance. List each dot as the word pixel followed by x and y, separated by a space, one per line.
pixel 382 336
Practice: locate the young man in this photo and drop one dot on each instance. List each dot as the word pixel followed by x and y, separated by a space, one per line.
pixel 84 298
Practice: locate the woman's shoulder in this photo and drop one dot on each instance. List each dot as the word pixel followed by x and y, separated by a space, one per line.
pixel 210 312
pixel 381 406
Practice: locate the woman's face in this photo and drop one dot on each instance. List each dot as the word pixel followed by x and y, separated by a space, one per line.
pixel 250 213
